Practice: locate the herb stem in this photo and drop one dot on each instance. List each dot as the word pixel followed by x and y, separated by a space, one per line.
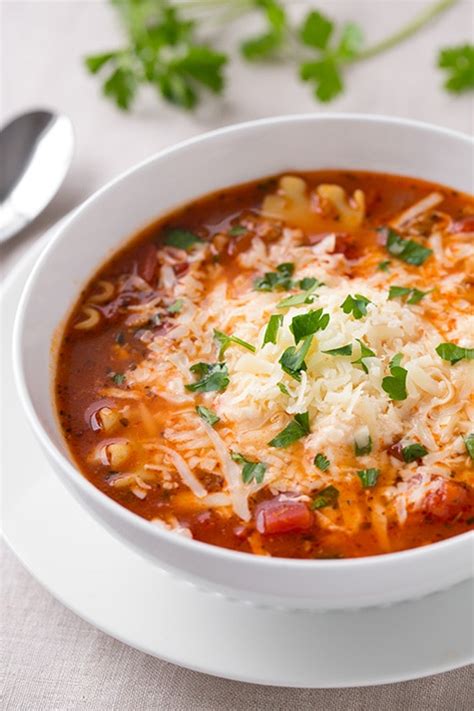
pixel 405 32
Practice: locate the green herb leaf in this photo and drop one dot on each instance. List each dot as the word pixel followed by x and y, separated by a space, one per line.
pixel 95 62
pixel 276 281
pixel 271 331
pixel 365 352
pixel 453 353
pixel 304 297
pixel 350 44
pixel 363 446
pixel 282 388
pixel 207 415
pixel 118 378
pixel 368 477
pixel 356 304
pixel 326 497
pixel 212 377
pixel 292 359
pixel 414 295
pixel 226 341
pixel 395 384
pixel 181 238
pixel 458 62
pixel 412 452
pixel 384 266
pixel 408 251
pixel 296 429
pixel 176 306
pixel 308 283
pixel 266 45
pixel 326 77
pixel 342 350
pixel 306 324
pixel 321 461
pixel 252 471
pixel 237 230
pixel 469 442
pixel 316 30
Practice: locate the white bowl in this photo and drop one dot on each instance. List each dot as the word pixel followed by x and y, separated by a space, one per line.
pixel 177 175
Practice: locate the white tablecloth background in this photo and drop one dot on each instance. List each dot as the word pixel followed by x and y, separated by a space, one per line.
pixel 50 658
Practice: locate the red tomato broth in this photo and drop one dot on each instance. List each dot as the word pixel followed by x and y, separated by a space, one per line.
pixel 88 361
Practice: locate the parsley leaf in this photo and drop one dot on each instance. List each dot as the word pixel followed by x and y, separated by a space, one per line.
pixel 292 359
pixel 384 265
pixel 365 352
pixel 308 323
pixel 342 350
pixel 207 415
pixel 453 353
pixel 296 429
pixel 407 250
pixel 251 470
pixel 212 377
pixel 316 30
pixel 326 497
pixel 368 477
pixel 321 461
pixel 469 442
pixel 176 306
pixel 363 446
pixel 282 388
pixel 265 46
pixel 414 295
pixel 276 281
pixel 118 378
pixel 226 341
pixel 181 238
pixel 308 283
pixel 356 304
pixel 237 230
pixel 304 297
pixel 395 384
pixel 459 65
pixel 271 331
pixel 412 452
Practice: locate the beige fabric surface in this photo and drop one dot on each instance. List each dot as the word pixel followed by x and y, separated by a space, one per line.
pixel 50 659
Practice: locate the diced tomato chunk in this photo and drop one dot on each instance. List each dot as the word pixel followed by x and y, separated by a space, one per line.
pixel 147 261
pixel 448 500
pixel 282 516
pixel 465 224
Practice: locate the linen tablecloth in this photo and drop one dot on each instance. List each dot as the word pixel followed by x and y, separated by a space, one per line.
pixel 50 658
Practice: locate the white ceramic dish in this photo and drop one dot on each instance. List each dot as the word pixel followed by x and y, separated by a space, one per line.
pixel 180 174
pixel 101 579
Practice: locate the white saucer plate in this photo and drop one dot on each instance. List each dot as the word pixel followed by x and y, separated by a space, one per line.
pixel 127 597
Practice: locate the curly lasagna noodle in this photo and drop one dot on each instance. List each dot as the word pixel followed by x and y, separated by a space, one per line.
pixel 285 368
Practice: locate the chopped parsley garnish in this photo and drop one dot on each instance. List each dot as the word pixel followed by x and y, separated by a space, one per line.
pixel 412 452
pixel 212 377
pixel 356 304
pixel 271 330
pixel 342 350
pixel 469 443
pixel 207 415
pixel 384 266
pixel 118 378
pixel 304 297
pixel 321 461
pixel 458 62
pixel 308 283
pixel 365 352
pixel 307 324
pixel 181 238
pixel 326 497
pixel 237 230
pixel 414 295
pixel 368 477
pixel 395 384
pixel 276 281
pixel 176 306
pixel 226 341
pixel 295 430
pixel 283 389
pixel 407 250
pixel 292 360
pixel 251 470
pixel 363 446
pixel 453 353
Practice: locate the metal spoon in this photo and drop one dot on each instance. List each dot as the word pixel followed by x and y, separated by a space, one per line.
pixel 35 153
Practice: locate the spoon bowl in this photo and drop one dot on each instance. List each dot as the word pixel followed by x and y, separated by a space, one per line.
pixel 36 149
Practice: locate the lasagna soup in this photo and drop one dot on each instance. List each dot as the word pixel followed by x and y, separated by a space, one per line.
pixel 284 368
